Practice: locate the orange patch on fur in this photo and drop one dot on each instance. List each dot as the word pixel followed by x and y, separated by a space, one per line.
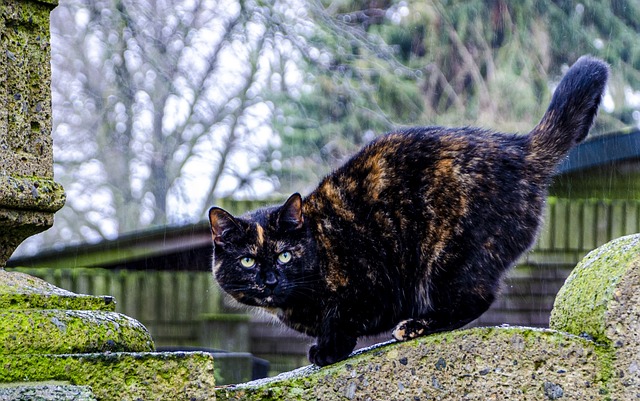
pixel 260 231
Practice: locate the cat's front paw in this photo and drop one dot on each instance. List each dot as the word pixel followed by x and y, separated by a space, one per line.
pixel 323 357
pixel 411 328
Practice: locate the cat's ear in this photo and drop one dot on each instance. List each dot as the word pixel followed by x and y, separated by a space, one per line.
pixel 222 223
pixel 290 216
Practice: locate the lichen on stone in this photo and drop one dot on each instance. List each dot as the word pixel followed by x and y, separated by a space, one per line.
pixel 22 291
pixel 184 376
pixel 54 331
pixel 582 304
pixel 481 363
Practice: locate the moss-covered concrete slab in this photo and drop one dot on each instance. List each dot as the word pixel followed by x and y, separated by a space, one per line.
pixel 120 376
pixel 601 300
pixel 54 331
pixel 22 291
pixel 477 364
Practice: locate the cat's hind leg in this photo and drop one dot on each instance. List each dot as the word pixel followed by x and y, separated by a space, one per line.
pixel 450 318
pixel 411 328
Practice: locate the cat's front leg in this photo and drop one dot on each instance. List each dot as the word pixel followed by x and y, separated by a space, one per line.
pixel 331 348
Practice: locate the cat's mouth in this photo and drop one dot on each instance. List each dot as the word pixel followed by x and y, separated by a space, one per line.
pixel 265 299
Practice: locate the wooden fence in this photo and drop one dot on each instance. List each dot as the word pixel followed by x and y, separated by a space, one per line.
pixel 172 303
pixel 580 225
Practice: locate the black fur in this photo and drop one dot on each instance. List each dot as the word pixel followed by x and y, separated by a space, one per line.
pixel 414 232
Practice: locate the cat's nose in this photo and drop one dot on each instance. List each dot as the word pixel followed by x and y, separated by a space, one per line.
pixel 270 279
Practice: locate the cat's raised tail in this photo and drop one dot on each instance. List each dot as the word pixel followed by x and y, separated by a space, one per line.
pixel 572 110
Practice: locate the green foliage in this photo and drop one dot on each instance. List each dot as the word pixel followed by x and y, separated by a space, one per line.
pixel 488 63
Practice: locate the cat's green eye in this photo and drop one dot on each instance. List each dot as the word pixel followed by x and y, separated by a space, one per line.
pixel 247 262
pixel 284 257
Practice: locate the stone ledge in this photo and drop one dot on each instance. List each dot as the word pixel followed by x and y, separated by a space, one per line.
pixel 22 291
pixel 45 392
pixel 31 193
pixel 120 376
pixel 482 363
pixel 588 303
pixel 592 351
pixel 54 331
pixel 601 300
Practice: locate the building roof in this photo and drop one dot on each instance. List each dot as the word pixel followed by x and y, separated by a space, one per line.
pixel 603 150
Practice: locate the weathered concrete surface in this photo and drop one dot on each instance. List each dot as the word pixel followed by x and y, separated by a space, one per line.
pixel 601 300
pixel 25 96
pixel 22 291
pixel 55 331
pixel 88 345
pixel 478 364
pixel 39 318
pixel 28 194
pixel 45 392
pixel 592 352
pixel 120 376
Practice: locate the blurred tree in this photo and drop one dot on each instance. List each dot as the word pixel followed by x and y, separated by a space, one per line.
pixel 160 106
pixel 491 63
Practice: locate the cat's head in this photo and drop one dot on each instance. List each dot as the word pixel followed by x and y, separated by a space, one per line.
pixel 265 258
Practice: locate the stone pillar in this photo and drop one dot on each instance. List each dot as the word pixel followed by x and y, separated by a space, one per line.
pixel 28 194
pixel 54 344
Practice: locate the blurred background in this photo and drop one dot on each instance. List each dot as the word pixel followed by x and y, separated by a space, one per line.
pixel 163 108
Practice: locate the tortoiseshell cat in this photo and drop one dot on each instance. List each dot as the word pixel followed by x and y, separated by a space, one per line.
pixel 414 232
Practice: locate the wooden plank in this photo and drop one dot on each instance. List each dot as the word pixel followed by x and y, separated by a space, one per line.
pixel 544 237
pixel 602 223
pixel 532 319
pixel 589 225
pixel 631 217
pixel 575 225
pixel 617 219
pixel 561 223
pixel 518 302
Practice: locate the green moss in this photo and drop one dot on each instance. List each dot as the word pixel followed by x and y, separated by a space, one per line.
pixel 22 291
pixel 582 304
pixel 59 331
pixel 504 362
pixel 120 376
pixel 33 193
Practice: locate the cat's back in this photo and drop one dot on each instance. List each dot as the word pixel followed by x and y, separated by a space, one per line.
pixel 434 177
pixel 408 159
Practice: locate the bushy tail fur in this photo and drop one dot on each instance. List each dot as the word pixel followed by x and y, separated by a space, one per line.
pixel 572 110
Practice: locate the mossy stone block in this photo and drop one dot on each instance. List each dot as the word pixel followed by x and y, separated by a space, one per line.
pixel 586 302
pixel 25 69
pixel 601 300
pixel 477 364
pixel 45 392
pixel 22 291
pixel 54 331
pixel 117 376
